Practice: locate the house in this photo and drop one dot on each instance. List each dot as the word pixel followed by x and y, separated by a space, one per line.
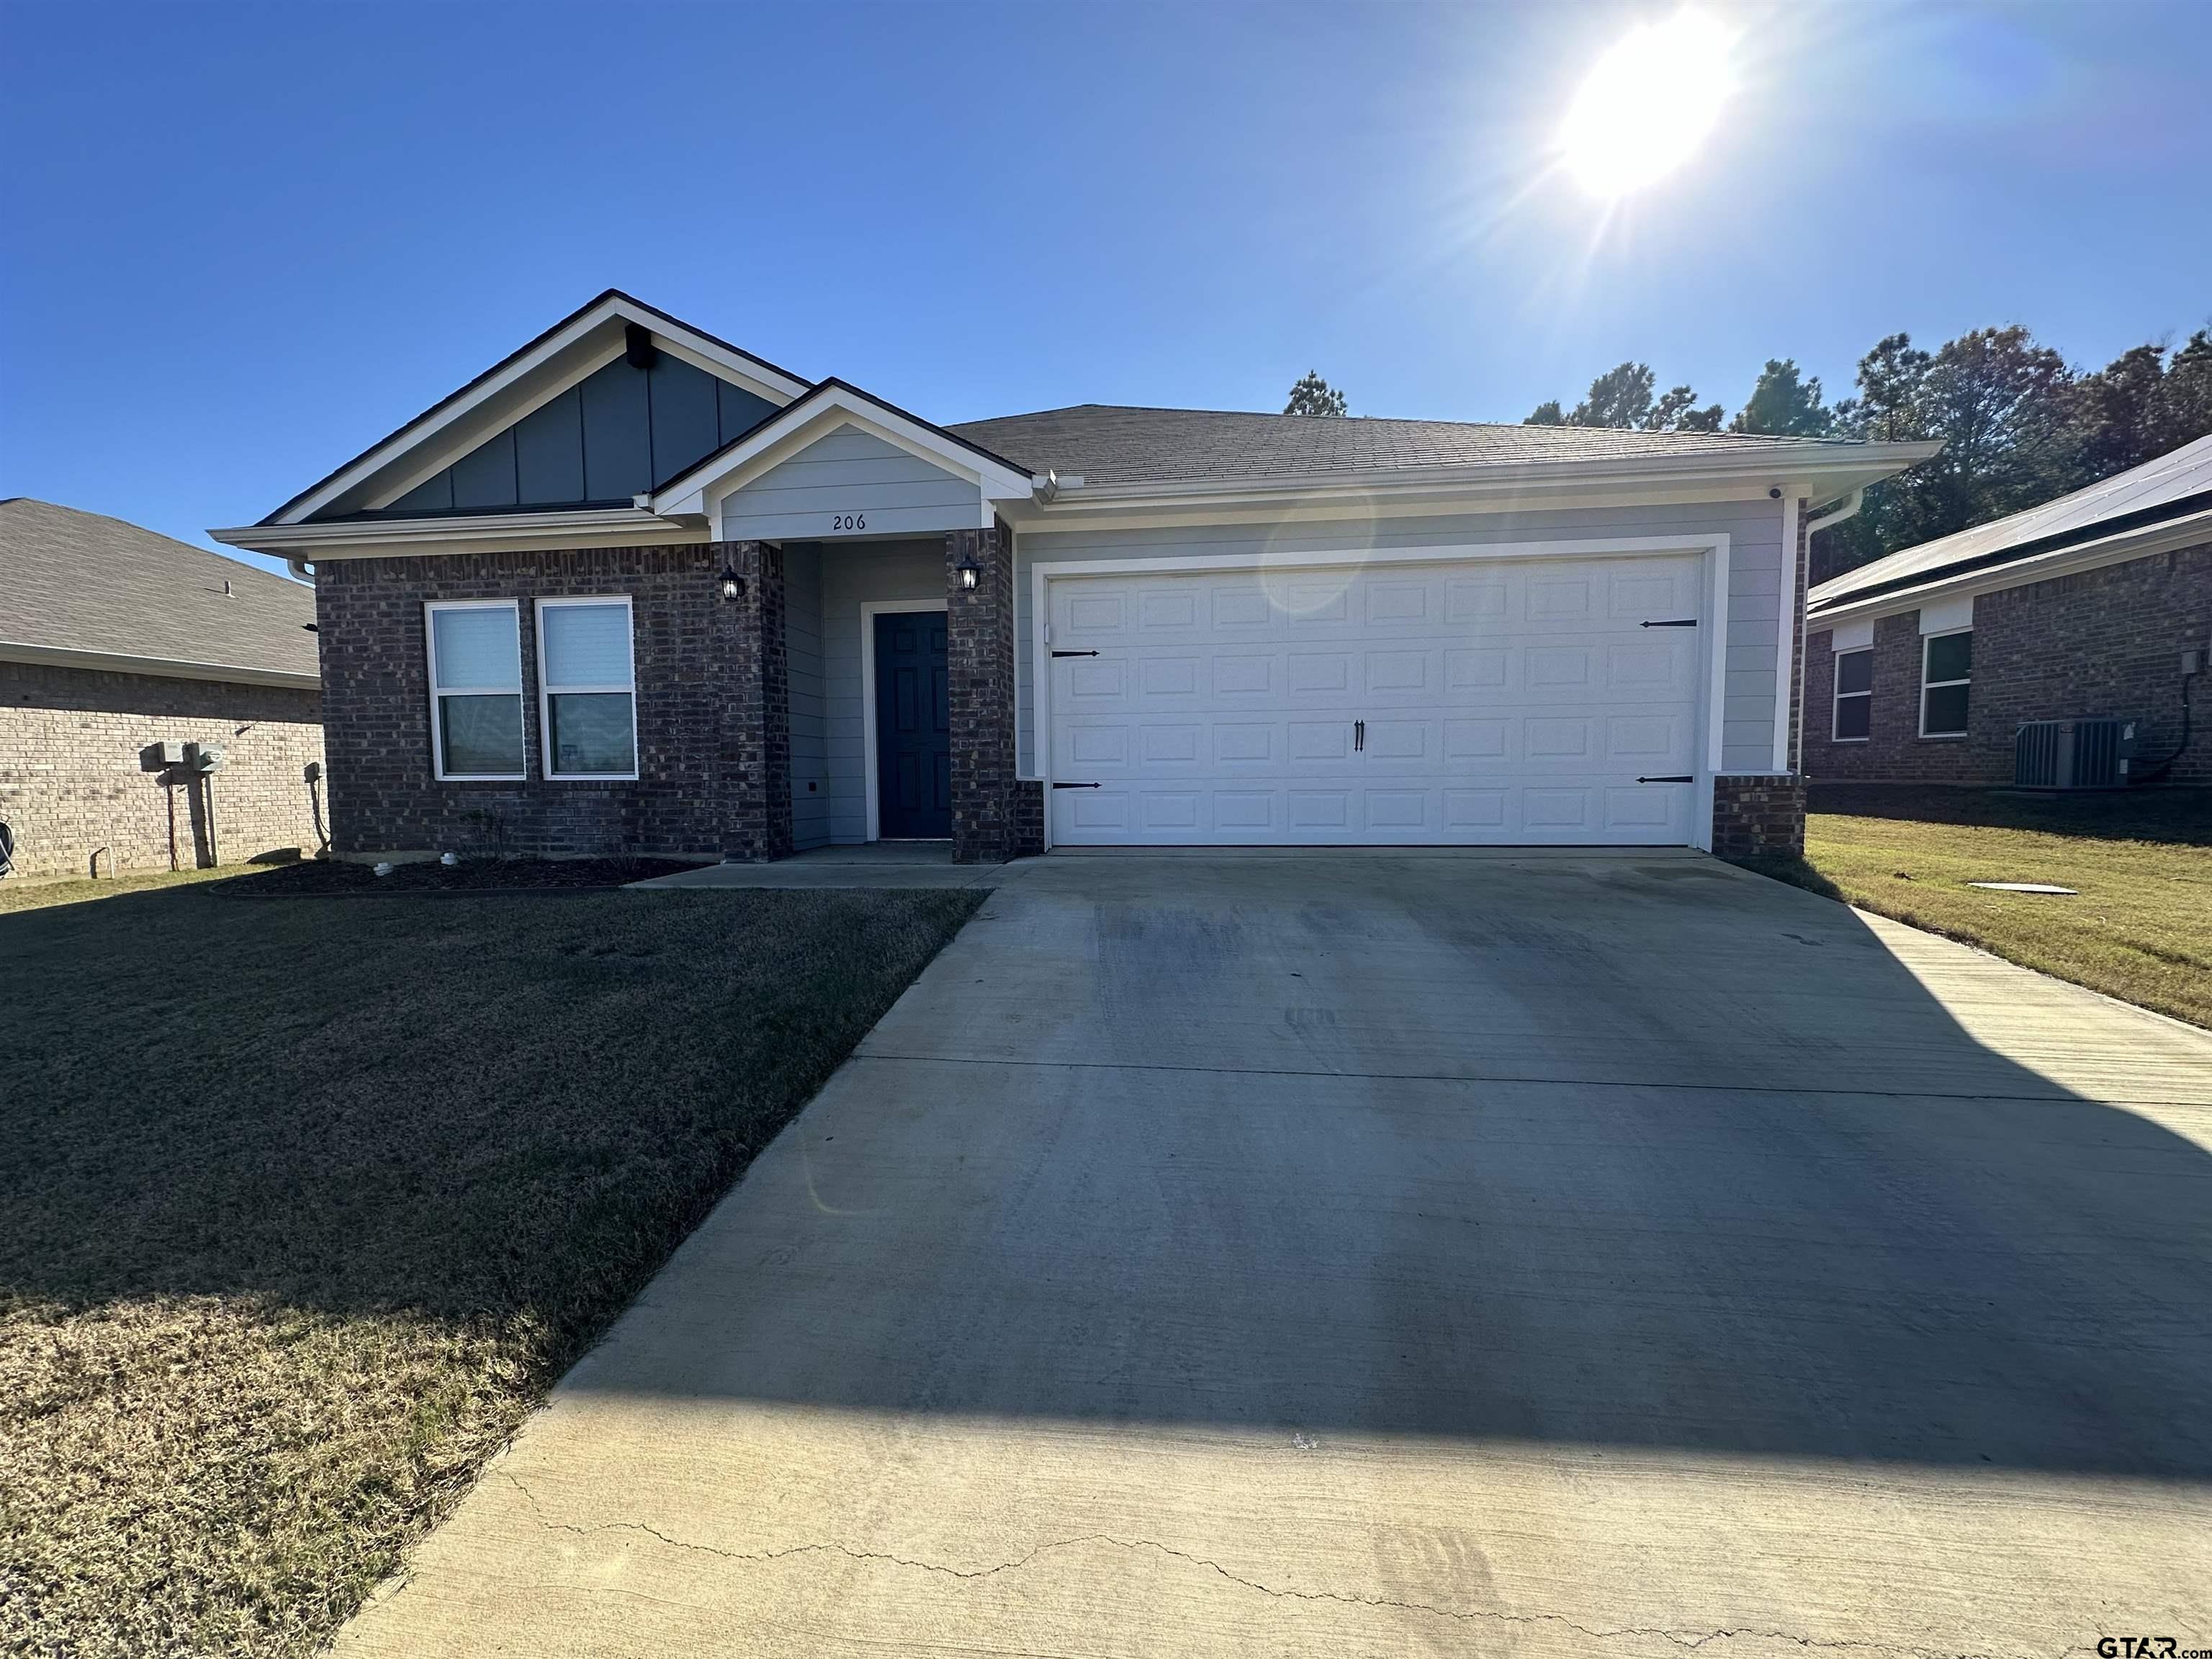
pixel 635 588
pixel 1922 667
pixel 158 704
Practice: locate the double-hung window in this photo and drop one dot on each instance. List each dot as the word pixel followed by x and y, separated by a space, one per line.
pixel 1854 713
pixel 587 688
pixel 476 688
pixel 1946 671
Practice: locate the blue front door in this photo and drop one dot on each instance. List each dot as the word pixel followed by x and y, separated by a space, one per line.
pixel 914 730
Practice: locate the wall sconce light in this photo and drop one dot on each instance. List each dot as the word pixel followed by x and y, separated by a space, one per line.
pixel 732 583
pixel 967 572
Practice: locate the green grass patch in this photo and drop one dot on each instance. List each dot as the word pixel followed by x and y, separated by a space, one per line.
pixel 305 1206
pixel 2139 926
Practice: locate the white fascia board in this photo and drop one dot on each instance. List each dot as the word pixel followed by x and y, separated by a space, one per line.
pixel 489 532
pixel 491 405
pixel 1489 487
pixel 694 495
pixel 2146 543
pixel 167 668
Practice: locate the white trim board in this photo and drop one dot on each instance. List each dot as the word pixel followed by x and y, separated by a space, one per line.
pixel 1712 626
pixel 870 610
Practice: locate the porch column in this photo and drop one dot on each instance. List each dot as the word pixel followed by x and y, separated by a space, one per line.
pixel 752 697
pixel 980 664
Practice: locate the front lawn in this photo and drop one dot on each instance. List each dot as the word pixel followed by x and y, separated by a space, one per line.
pixel 304 1203
pixel 2139 926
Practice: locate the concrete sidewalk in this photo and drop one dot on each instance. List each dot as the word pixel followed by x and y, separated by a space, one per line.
pixel 1375 1253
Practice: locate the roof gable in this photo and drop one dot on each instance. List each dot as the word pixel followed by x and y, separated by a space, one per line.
pixel 467 438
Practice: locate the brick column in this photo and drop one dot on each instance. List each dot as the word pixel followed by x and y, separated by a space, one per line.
pixel 980 658
pixel 753 707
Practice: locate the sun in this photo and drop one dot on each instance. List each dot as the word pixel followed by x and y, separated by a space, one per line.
pixel 1649 104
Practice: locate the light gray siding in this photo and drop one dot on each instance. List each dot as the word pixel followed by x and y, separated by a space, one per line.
pixel 1755 559
pixel 849 471
pixel 810 765
pixel 853 574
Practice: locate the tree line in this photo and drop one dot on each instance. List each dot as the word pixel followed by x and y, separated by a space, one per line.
pixel 2018 426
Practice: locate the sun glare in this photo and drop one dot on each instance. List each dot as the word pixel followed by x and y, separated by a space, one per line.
pixel 1648 104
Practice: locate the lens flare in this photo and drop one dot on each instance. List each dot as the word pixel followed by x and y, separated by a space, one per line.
pixel 1649 104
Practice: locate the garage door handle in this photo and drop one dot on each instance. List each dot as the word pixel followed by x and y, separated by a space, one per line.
pixel 1075 654
pixel 1685 778
pixel 1679 622
pixel 1359 736
pixel 1078 786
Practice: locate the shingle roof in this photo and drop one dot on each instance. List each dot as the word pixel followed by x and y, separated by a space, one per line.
pixel 1113 444
pixel 2178 482
pixel 80 582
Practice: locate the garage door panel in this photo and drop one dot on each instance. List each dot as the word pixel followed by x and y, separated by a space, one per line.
pixel 1514 702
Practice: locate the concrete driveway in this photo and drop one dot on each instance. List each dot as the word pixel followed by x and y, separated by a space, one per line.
pixel 1390 1253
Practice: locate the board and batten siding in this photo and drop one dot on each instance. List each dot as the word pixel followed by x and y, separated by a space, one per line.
pixel 809 766
pixel 848 472
pixel 1755 565
pixel 853 573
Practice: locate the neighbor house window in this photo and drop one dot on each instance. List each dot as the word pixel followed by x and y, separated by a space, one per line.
pixel 588 691
pixel 1947 668
pixel 476 688
pixel 1854 720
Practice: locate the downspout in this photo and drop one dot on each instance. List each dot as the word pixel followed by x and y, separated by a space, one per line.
pixel 301 568
pixel 1852 503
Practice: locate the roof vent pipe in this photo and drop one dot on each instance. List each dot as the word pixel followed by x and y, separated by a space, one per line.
pixel 638 348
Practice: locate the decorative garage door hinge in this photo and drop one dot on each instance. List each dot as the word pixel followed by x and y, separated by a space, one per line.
pixel 1679 622
pixel 1075 654
pixel 1685 778
pixel 1077 785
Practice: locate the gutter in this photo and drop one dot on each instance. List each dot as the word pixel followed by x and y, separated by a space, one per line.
pixel 1754 469
pixel 167 668
pixel 1995 572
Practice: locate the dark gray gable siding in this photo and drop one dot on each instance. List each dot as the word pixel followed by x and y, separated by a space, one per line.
pixel 619 432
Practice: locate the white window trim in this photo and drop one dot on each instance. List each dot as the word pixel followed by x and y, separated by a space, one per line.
pixel 547 690
pixel 430 609
pixel 1838 694
pixel 1928 686
pixel 870 610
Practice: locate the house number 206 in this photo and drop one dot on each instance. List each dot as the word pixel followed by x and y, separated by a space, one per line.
pixel 848 521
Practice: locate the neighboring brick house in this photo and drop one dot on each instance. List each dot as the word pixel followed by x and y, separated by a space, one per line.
pixel 634 589
pixel 1922 667
pixel 114 640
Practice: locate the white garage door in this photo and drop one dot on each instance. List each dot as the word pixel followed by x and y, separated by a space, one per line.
pixel 1505 702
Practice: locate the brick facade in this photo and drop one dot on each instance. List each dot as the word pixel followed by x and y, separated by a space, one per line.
pixel 2102 642
pixel 980 664
pixel 71 780
pixel 1758 816
pixel 713 767
pixel 1029 817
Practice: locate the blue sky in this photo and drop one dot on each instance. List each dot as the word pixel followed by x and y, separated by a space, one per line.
pixel 244 242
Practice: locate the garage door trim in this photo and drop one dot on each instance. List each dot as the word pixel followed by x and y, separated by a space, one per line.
pixel 1712 547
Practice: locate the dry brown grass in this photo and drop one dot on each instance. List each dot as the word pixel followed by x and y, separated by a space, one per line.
pixel 306 1202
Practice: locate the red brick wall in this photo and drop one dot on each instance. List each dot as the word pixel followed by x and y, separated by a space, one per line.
pixel 2104 643
pixel 71 779
pixel 714 769
pixel 979 661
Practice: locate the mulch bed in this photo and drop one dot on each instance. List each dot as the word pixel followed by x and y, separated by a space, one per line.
pixel 315 878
